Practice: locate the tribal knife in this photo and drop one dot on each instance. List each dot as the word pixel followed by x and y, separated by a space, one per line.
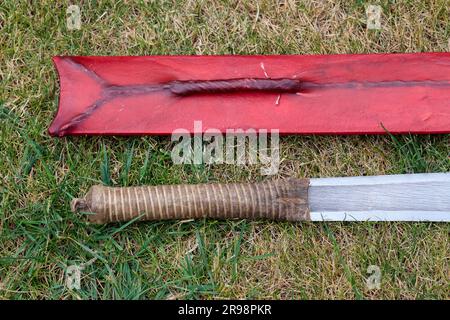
pixel 408 197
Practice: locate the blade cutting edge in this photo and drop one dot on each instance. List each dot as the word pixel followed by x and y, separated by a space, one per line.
pixel 406 197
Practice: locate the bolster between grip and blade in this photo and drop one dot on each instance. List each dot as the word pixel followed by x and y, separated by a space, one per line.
pixel 276 200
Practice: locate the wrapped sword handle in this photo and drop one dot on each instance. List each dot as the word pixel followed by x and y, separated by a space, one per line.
pixel 277 200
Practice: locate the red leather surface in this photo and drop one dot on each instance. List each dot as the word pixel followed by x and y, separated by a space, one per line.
pixel 344 94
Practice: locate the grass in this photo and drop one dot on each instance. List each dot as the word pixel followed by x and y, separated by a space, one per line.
pixel 40 237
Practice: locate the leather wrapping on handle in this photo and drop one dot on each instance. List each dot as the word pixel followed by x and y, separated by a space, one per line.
pixel 277 200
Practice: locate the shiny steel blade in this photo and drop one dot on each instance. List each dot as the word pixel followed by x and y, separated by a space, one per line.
pixel 407 197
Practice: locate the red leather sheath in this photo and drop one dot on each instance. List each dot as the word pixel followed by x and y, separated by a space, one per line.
pixel 337 94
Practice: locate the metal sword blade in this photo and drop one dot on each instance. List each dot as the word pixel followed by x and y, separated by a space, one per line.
pixel 407 197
